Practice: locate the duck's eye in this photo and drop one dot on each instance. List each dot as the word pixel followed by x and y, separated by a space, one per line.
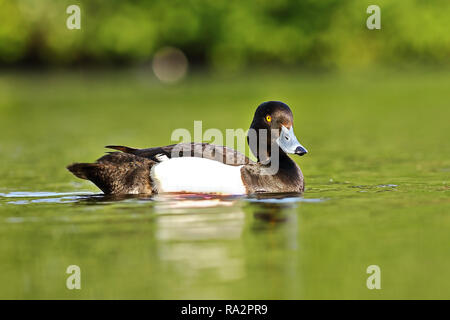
pixel 287 138
pixel 268 118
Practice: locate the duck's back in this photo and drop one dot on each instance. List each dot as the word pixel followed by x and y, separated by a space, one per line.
pixel 193 149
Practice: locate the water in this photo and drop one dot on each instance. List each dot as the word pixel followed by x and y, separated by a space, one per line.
pixel 377 190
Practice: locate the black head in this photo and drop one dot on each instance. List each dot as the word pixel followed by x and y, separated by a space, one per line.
pixel 274 120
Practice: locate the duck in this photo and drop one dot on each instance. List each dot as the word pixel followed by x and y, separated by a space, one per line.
pixel 204 168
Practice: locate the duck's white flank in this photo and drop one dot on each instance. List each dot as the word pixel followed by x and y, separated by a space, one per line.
pixel 197 175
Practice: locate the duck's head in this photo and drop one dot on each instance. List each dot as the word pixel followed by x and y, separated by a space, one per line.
pixel 275 120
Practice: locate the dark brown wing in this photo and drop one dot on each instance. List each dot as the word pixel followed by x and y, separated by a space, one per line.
pixel 194 149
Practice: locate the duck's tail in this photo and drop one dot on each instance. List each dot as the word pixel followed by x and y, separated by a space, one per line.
pixel 84 170
pixel 117 173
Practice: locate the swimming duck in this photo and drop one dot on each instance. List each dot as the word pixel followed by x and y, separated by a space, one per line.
pixel 207 168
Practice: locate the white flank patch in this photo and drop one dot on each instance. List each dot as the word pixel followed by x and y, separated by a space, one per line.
pixel 197 175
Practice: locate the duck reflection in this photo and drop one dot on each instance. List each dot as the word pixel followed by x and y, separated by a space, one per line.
pixel 198 234
pixel 198 217
pixel 204 241
pixel 276 216
pixel 274 210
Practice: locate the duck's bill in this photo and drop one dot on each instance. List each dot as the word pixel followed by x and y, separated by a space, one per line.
pixel 288 142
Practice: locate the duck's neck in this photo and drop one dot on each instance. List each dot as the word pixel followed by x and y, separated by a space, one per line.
pixel 280 163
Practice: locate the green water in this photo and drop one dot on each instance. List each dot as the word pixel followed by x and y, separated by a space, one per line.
pixel 377 189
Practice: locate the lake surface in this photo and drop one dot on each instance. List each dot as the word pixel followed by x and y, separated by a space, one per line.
pixel 377 189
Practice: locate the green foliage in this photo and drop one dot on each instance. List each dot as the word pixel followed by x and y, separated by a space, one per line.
pixel 227 34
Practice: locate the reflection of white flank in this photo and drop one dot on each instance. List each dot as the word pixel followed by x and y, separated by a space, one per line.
pixel 188 204
pixel 196 239
pixel 197 175
pixel 200 226
pixel 194 259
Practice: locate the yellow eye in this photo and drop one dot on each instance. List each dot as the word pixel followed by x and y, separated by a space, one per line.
pixel 268 118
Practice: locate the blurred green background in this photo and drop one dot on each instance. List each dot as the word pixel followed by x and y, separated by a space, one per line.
pixel 371 106
pixel 227 34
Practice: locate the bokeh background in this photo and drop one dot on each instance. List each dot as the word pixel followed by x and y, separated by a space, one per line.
pixel 371 106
